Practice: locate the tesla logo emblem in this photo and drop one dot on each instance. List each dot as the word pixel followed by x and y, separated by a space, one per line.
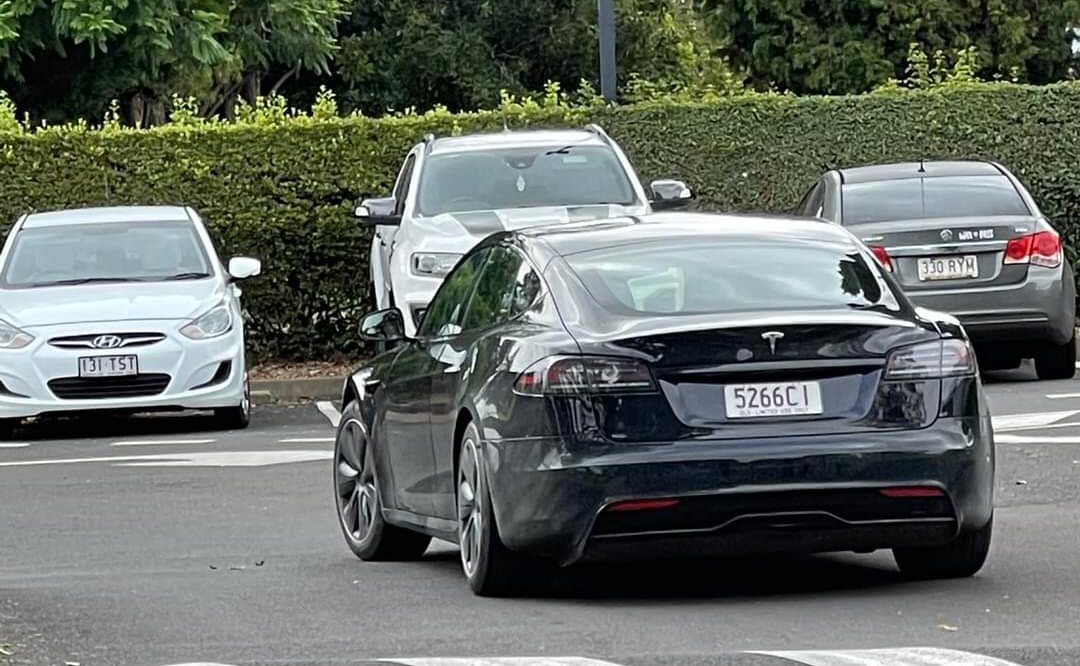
pixel 771 337
pixel 107 342
pixel 946 234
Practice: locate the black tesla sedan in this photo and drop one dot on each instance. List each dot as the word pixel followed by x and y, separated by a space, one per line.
pixel 671 385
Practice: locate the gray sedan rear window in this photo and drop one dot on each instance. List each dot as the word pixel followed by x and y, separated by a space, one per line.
pixel 728 276
pixel 925 198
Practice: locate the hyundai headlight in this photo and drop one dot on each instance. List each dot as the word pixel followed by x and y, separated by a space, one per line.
pixel 216 322
pixel 434 264
pixel 13 338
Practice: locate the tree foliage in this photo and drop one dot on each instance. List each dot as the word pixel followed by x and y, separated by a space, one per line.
pixel 846 46
pixel 71 58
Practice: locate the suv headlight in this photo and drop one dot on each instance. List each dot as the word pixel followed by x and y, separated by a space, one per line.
pixel 13 338
pixel 434 264
pixel 215 322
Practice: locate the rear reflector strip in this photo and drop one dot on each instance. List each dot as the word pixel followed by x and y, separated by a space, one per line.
pixel 913 491
pixel 643 505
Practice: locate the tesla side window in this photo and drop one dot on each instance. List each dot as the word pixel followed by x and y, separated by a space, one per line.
pixel 523 178
pixel 694 278
pixel 492 302
pixel 113 252
pixel 924 198
pixel 447 309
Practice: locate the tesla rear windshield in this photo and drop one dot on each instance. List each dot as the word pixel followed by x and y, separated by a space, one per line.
pixel 728 276
pixel 523 178
pixel 108 252
pixel 924 198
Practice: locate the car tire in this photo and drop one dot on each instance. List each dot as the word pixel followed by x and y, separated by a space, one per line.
pixel 1057 361
pixel 492 569
pixel 357 499
pixel 8 428
pixel 960 559
pixel 239 417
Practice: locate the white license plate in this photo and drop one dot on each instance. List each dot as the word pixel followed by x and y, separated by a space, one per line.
pixel 108 366
pixel 746 401
pixel 948 268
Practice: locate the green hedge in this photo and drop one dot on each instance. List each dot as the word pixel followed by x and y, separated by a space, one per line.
pixel 283 190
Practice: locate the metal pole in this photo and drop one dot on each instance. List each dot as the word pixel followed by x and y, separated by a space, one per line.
pixel 606 11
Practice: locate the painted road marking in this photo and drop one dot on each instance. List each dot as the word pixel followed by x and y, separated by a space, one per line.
pixel 201 459
pixel 1032 439
pixel 889 657
pixel 330 412
pixel 14 445
pixel 1062 396
pixel 163 442
pixel 503 661
pixel 1011 421
pixel 307 440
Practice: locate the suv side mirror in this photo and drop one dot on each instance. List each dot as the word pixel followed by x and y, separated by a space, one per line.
pixel 668 194
pixel 378 212
pixel 244 267
pixel 383 326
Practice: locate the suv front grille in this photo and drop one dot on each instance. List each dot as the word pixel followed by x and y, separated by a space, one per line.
pixel 127 340
pixel 103 388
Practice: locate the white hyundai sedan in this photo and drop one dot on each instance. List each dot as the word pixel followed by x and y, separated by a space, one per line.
pixel 122 309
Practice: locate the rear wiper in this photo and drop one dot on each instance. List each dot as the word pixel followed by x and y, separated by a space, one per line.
pixel 193 275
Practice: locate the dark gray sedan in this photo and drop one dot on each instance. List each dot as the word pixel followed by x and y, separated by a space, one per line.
pixel 965 238
pixel 664 386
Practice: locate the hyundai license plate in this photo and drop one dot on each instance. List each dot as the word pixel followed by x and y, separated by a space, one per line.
pixel 747 401
pixel 108 366
pixel 948 268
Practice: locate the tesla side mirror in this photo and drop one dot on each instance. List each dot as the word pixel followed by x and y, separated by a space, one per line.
pixel 244 267
pixel 383 326
pixel 668 194
pixel 378 212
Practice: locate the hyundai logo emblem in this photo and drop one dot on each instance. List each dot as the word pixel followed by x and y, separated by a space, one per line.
pixel 771 337
pixel 107 342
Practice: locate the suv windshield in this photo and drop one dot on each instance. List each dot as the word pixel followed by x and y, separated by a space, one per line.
pixel 713 277
pixel 523 178
pixel 925 198
pixel 110 252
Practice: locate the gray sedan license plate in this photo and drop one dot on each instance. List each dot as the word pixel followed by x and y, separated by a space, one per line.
pixel 108 366
pixel 948 268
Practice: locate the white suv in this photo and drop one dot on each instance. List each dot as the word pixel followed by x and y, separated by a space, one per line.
pixel 453 192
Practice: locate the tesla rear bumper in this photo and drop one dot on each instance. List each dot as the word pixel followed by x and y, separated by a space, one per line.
pixel 800 494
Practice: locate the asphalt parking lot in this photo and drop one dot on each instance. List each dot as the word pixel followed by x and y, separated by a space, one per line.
pixel 155 541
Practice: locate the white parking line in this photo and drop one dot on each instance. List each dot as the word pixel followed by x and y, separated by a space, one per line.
pixel 504 661
pixel 163 442
pixel 1012 421
pixel 201 459
pixel 307 440
pixel 1062 396
pixel 13 445
pixel 330 412
pixel 889 657
pixel 1007 438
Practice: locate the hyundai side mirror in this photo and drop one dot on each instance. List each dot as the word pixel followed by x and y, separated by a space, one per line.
pixel 244 267
pixel 383 326
pixel 374 212
pixel 668 194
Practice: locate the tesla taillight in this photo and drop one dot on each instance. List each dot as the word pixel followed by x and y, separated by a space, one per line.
pixel 942 358
pixel 573 375
pixel 1041 249
pixel 882 255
